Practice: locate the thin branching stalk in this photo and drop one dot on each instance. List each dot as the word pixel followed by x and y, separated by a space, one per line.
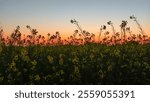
pixel 1 34
pixel 129 31
pixel 139 26
pixel 100 33
pixel 123 30
pixel 112 26
pixel 33 32
pixel 103 27
pixel 78 26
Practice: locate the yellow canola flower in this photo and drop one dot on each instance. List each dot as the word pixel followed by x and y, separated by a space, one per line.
pixel 50 59
pixel 34 62
pixel 37 77
pixel 61 61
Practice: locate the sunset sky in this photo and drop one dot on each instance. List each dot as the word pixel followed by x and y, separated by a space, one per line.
pixel 49 16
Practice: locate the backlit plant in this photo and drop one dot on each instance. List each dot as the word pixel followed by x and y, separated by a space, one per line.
pixel 81 59
pixel 139 26
pixel 79 36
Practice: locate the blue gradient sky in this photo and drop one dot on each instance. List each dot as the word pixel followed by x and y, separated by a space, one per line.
pixel 49 16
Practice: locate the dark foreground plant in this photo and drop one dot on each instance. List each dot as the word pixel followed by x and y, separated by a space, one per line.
pixel 69 64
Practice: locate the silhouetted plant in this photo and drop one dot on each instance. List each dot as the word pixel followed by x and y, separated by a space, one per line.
pixel 76 23
pixel 33 32
pixel 123 29
pixel 16 36
pixel 129 31
pixel 139 26
pixel 111 24
pixel 79 36
pixel 1 35
pixel 103 27
pixel 86 35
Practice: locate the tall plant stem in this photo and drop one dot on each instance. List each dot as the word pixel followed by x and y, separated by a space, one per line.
pixel 142 32
pixel 113 29
pixel 80 29
pixel 99 36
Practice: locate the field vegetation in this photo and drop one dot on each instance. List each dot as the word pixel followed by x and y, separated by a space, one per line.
pixel 123 58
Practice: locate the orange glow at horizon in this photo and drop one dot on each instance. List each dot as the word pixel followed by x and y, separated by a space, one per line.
pixel 68 31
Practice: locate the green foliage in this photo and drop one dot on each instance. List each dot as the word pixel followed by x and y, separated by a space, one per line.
pixel 68 64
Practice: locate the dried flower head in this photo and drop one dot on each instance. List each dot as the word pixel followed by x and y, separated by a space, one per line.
pixel 18 27
pixel 128 29
pixel 103 27
pixel 71 21
pixel 57 33
pixel 109 23
pixel 123 24
pixel 132 17
pixel 84 31
pixel 76 31
pixel 28 27
pixel 117 34
pixel 107 32
pixel 48 34
pixel 34 31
